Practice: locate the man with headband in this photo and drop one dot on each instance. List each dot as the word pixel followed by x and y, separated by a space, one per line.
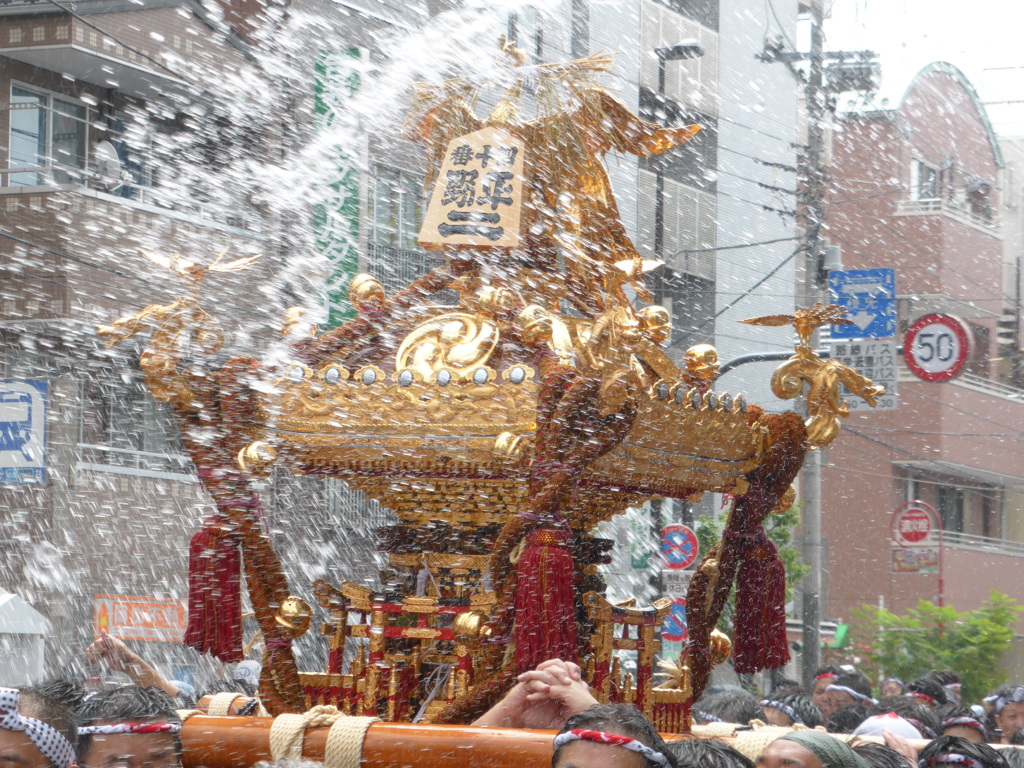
pixel 1008 710
pixel 611 736
pixel 35 731
pixel 607 735
pixel 809 749
pixel 794 708
pixel 844 690
pixel 823 678
pixel 129 727
pixel 953 752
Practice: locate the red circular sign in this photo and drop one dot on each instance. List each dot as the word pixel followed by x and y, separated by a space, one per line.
pixel 912 523
pixel 675 629
pixel 679 547
pixel 936 347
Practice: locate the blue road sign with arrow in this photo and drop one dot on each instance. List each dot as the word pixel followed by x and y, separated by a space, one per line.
pixel 869 296
pixel 674 629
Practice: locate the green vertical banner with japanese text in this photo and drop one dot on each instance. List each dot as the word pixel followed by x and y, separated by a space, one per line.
pixel 336 219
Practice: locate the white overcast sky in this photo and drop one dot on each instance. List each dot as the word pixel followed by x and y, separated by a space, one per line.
pixel 983 38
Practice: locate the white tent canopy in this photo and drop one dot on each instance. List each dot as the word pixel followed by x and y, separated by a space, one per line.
pixel 22 634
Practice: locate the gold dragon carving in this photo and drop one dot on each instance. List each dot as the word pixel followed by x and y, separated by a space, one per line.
pixel 174 327
pixel 824 405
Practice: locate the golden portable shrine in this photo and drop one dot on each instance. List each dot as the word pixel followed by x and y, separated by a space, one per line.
pixel 500 431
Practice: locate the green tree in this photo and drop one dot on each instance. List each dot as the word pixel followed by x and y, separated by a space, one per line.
pixel 929 637
pixel 780 530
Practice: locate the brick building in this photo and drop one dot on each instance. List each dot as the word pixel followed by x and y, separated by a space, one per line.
pixel 916 187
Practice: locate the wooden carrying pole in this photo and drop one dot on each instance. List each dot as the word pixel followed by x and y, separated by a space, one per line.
pixel 236 742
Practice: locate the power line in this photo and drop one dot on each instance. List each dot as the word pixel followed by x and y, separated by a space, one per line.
pixel 761 184
pixel 873 196
pixel 921 252
pixel 755 286
pixel 760 160
pixel 735 247
pixel 77 259
pixel 939 467
pixel 944 434
pixel 956 408
pixel 790 142
pixel 762 206
pixel 166 286
pixel 848 470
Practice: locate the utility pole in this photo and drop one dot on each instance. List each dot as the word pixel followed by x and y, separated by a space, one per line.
pixel 847 71
pixel 814 179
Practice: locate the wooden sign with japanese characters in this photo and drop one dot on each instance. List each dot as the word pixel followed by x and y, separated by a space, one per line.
pixel 478 196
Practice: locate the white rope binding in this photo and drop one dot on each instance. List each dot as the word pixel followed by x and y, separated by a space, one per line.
pixel 344 747
pixel 220 703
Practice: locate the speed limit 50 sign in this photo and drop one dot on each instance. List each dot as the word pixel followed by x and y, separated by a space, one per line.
pixel 937 347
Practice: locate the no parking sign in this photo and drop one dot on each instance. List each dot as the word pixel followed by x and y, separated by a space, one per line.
pixel 679 547
pixel 674 629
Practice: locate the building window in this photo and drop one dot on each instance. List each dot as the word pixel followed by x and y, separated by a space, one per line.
pixel 397 207
pixel 702 11
pixel 121 414
pixel 396 212
pixel 965 505
pixel 580 29
pixel 979 199
pixel 48 139
pixel 690 301
pixel 949 503
pixel 924 181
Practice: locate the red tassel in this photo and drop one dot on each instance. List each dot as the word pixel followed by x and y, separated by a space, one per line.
pixel 759 639
pixel 214 593
pixel 545 623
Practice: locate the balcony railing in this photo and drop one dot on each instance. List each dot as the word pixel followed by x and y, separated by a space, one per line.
pixel 397 267
pixel 133 185
pixel 949 208
pixel 983 544
pixel 123 461
pixel 989 387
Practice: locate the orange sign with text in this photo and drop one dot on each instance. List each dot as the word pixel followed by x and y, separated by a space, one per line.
pixel 140 618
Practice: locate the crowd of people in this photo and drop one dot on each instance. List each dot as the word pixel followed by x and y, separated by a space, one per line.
pixel 842 702
pixel 838 724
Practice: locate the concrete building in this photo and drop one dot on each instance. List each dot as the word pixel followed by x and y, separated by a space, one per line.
pixel 97 500
pixel 104 502
pixel 917 187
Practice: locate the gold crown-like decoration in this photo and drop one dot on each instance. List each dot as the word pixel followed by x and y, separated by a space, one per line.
pixel 538 406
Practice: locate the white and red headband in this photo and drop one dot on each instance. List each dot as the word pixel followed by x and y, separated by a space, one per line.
pixel 89 730
pixel 964 722
pixel 784 709
pixel 855 694
pixel 955 759
pixel 54 746
pixel 1015 697
pixel 613 739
